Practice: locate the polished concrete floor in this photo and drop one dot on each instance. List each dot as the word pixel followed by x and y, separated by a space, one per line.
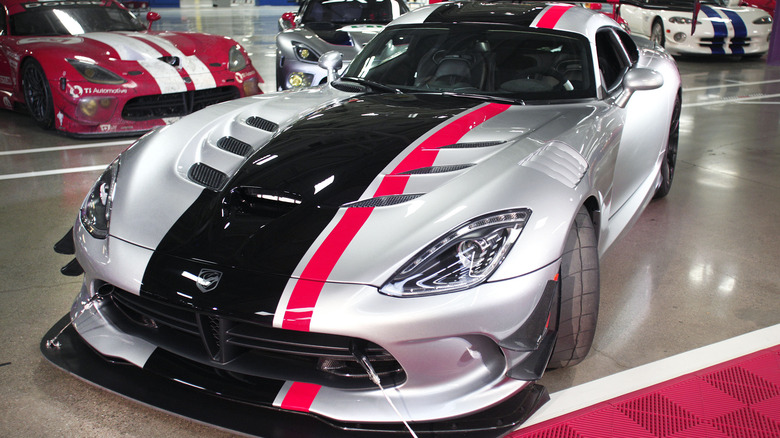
pixel 701 266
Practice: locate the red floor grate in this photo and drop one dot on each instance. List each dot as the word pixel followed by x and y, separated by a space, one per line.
pixel 736 399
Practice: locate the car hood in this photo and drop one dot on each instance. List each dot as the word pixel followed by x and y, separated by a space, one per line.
pixel 144 47
pixel 268 208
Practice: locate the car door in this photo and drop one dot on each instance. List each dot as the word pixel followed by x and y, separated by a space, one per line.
pixel 645 121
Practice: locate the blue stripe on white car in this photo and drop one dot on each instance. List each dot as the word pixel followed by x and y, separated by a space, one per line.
pixel 740 31
pixel 720 29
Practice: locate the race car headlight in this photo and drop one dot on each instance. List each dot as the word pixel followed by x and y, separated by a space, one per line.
pixel 236 59
pixel 96 209
pixel 305 54
pixel 462 259
pixel 95 73
pixel 763 20
pixel 682 20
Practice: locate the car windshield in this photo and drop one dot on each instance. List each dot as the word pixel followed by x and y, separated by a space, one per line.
pixel 492 60
pixel 72 20
pixel 351 11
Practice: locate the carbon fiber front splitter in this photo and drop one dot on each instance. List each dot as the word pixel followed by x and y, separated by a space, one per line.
pixel 235 411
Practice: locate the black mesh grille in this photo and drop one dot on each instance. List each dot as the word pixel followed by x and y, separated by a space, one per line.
pixel 261 123
pixel 382 201
pixel 231 341
pixel 436 169
pixel 176 104
pixel 234 145
pixel 207 176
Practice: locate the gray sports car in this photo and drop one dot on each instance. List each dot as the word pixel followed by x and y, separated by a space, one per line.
pixel 414 241
pixel 320 26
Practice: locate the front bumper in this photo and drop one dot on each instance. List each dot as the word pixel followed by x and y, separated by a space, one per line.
pixel 706 42
pixel 460 353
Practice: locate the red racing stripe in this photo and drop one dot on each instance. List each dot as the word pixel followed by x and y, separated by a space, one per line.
pixel 300 396
pixel 307 289
pixel 551 17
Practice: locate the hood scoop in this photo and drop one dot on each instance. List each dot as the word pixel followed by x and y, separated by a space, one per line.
pixel 264 202
pixel 234 146
pixel 261 123
pixel 207 176
pixel 174 61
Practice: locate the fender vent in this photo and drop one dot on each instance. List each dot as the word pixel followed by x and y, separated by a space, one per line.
pixel 261 123
pixel 382 201
pixel 234 145
pixel 436 169
pixel 478 144
pixel 207 176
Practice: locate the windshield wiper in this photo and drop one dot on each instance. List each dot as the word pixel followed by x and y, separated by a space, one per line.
pixel 371 84
pixel 485 97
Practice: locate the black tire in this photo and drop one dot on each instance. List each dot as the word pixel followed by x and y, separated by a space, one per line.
pixel 657 33
pixel 37 94
pixel 670 155
pixel 577 306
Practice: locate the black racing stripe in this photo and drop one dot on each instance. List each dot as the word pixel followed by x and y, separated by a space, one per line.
pixel 522 14
pixel 257 230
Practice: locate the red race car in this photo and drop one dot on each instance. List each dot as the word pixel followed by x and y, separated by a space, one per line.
pixel 89 67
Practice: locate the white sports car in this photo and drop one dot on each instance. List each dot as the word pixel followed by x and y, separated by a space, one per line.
pixel 416 240
pixel 722 28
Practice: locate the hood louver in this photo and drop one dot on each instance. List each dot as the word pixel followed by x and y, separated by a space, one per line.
pixel 436 169
pixel 560 162
pixel 207 176
pixel 480 144
pixel 235 146
pixel 382 201
pixel 261 123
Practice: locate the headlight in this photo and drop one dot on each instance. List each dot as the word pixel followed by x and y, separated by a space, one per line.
pixel 95 73
pixel 462 259
pixel 305 54
pixel 763 20
pixel 96 210
pixel 236 59
pixel 682 20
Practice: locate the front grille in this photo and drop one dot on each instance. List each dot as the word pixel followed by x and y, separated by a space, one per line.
pixel 236 344
pixel 176 104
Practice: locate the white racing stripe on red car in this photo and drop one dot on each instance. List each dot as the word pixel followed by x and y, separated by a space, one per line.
pixel 198 71
pixel 130 49
pixel 296 306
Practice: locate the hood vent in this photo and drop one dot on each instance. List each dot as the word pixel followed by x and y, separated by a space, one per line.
pixel 207 176
pixel 479 144
pixel 348 88
pixel 382 201
pixel 261 123
pixel 234 145
pixel 436 169
pixel 170 60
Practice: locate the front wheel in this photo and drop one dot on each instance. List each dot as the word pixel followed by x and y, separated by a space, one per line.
pixel 577 307
pixel 37 93
pixel 657 33
pixel 670 154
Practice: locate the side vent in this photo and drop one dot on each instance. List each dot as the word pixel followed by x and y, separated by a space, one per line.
pixel 261 123
pixel 558 161
pixel 207 176
pixel 479 144
pixel 234 145
pixel 382 201
pixel 436 169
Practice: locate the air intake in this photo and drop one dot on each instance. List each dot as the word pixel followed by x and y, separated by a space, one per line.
pixel 382 201
pixel 207 176
pixel 261 123
pixel 234 145
pixel 436 169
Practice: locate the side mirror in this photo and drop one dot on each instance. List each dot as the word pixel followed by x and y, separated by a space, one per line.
pixel 287 21
pixel 151 17
pixel 332 62
pixel 638 79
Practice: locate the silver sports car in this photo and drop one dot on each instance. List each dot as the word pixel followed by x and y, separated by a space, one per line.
pixel 320 26
pixel 414 241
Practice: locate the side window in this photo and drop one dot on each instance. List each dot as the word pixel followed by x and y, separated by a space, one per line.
pixel 2 21
pixel 612 59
